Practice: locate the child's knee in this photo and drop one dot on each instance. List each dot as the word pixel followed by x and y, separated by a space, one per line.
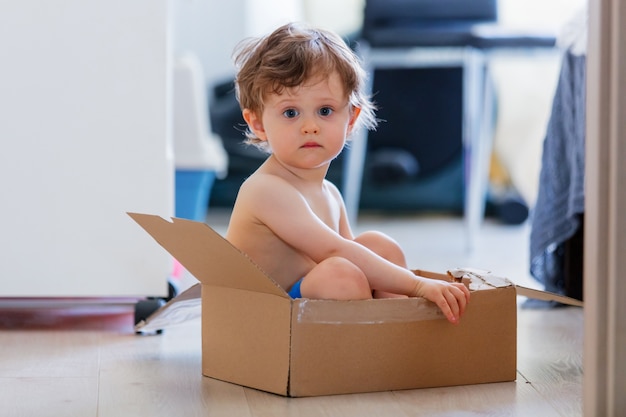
pixel 383 245
pixel 336 278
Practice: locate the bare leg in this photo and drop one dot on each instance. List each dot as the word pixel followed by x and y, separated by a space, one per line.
pixel 387 248
pixel 336 279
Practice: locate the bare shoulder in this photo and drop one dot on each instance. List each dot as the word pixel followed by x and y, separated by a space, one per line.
pixel 263 200
pixel 248 220
pixel 333 189
pixel 264 188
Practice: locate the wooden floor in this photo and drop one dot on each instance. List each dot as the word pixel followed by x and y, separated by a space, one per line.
pixel 86 360
pixel 56 363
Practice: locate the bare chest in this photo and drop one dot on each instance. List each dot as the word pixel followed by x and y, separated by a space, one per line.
pixel 326 208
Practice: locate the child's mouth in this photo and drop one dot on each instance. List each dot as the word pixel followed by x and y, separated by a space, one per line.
pixel 311 145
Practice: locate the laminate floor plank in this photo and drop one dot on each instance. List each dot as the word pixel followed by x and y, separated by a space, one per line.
pixel 498 399
pixel 48 396
pixel 162 376
pixel 550 355
pixel 34 354
pixel 374 404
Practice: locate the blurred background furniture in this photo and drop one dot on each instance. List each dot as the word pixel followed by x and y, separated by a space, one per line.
pixel 407 34
pixel 198 151
pixel 429 73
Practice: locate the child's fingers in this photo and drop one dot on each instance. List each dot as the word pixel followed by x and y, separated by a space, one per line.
pixel 462 288
pixel 456 302
pixel 445 308
pixel 448 305
pixel 451 299
pixel 463 296
pixel 456 299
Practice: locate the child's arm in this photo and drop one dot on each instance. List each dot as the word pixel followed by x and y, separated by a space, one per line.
pixel 285 211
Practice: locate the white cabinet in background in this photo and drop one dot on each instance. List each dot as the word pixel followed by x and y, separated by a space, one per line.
pixel 84 138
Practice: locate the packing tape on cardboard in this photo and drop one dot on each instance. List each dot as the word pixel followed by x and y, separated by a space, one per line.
pixel 366 312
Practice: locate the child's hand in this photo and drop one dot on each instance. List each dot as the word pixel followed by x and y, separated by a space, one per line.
pixel 450 297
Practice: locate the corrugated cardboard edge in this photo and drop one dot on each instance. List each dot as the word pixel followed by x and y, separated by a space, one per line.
pixel 547 296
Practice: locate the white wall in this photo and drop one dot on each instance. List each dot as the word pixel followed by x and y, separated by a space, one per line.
pixel 263 16
pixel 344 16
pixel 212 28
pixel 84 138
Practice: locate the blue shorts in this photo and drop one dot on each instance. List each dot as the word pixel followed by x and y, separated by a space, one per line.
pixel 294 292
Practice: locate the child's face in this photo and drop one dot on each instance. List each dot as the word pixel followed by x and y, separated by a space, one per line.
pixel 306 126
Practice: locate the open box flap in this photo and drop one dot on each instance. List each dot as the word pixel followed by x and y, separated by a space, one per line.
pixel 185 307
pixel 547 296
pixel 481 278
pixel 207 255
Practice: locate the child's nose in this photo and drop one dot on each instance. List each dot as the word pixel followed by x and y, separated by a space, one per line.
pixel 310 127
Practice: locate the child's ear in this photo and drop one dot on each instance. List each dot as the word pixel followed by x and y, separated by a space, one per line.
pixel 355 115
pixel 254 123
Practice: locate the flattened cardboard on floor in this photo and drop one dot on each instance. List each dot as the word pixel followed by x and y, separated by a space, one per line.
pixel 255 335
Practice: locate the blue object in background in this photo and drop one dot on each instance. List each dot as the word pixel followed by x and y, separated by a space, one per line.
pixel 193 189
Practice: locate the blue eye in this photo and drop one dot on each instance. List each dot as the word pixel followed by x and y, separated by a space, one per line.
pixel 325 111
pixel 290 113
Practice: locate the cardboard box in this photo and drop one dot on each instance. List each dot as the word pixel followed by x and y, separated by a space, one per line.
pixel 255 335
